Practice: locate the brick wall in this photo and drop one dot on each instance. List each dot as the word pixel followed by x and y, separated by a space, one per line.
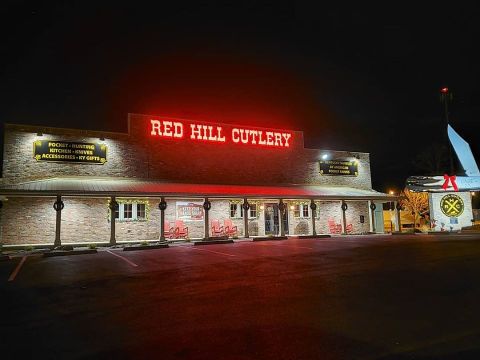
pixel 353 213
pixel 139 155
pixel 28 221
pixel 32 221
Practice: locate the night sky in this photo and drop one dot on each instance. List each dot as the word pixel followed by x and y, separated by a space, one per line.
pixel 352 78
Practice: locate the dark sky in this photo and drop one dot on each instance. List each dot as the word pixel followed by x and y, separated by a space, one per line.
pixel 353 78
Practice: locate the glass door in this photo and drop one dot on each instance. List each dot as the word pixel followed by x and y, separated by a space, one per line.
pixel 271 219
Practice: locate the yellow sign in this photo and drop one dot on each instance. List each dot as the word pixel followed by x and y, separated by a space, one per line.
pixel 452 205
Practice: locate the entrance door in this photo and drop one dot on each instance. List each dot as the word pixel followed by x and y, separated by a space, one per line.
pixel 272 220
pixel 379 218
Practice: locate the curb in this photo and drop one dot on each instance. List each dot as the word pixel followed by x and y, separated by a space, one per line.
pixel 267 238
pixel 443 232
pixel 69 252
pixel 321 236
pixel 145 247
pixel 212 242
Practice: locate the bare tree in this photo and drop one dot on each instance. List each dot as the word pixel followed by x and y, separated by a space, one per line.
pixel 416 203
pixel 432 160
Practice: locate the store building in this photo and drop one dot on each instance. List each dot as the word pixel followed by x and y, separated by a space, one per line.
pixel 173 178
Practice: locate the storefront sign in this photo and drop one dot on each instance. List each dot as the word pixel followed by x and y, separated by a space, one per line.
pixel 53 150
pixel 452 205
pixel 189 211
pixel 219 134
pixel 339 167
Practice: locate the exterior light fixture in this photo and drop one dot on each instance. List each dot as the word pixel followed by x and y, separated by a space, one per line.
pixel 444 90
pixel 262 207
pixel 292 207
pixel 391 192
pixel 473 193
pixel 325 156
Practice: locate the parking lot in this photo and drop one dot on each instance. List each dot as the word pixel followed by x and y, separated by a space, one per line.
pixel 343 297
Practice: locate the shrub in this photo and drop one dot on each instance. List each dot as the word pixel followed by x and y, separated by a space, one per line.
pixel 92 246
pixel 144 243
pixel 28 248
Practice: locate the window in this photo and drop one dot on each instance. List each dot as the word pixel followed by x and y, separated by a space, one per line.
pixel 305 210
pixel 253 211
pixel 141 212
pixel 129 211
pixel 236 210
pixel 301 210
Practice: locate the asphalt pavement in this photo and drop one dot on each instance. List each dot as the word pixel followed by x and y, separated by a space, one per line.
pixel 353 297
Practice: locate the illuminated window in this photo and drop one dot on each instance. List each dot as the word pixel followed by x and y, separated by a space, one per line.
pixel 301 211
pixel 130 211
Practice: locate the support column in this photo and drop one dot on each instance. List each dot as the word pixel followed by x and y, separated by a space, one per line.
pixel 113 207
pixel 313 207
pixel 372 207
pixel 281 210
pixel 398 226
pixel 206 206
pixel 162 206
pixel 246 207
pixel 344 217
pixel 58 206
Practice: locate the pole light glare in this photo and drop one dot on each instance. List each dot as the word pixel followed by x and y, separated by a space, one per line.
pixel 325 156
pixel 391 192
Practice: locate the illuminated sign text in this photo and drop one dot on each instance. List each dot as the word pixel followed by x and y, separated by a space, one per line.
pixel 217 134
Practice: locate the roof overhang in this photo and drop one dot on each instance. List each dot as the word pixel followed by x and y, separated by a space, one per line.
pixel 120 187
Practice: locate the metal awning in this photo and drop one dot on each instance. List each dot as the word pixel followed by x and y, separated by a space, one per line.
pixel 90 186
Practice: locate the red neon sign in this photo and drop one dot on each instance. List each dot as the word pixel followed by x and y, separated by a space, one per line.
pixel 217 134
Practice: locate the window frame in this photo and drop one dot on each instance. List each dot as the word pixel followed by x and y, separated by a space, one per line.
pixel 120 211
pixel 299 211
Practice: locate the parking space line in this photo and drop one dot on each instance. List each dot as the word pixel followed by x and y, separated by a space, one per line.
pixel 17 269
pixel 123 258
pixel 214 252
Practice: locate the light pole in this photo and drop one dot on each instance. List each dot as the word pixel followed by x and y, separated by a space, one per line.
pixel 445 97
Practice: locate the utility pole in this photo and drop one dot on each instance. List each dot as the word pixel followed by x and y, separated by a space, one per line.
pixel 445 97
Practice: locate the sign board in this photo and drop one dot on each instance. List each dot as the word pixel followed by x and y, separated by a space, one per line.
pixel 450 211
pixel 189 210
pixel 174 129
pixel 64 151
pixel 452 205
pixel 339 167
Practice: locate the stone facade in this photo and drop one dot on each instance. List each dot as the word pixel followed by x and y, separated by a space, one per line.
pixel 137 154
pixel 87 220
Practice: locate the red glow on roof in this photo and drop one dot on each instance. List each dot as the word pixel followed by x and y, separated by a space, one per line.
pixel 220 88
pixel 444 90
